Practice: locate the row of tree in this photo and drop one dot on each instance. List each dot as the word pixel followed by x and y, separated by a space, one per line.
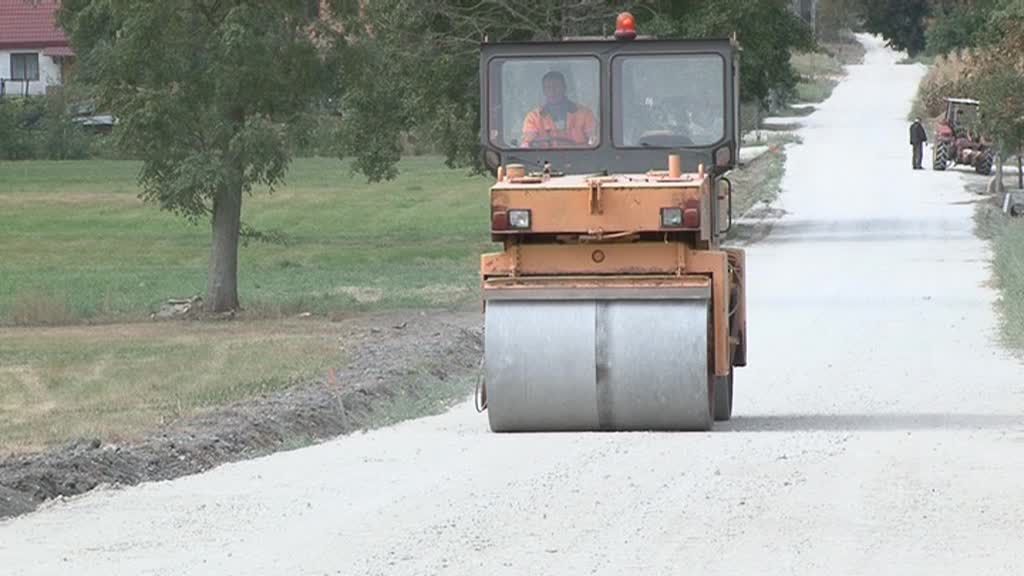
pixel 212 95
pixel 988 34
pixel 932 27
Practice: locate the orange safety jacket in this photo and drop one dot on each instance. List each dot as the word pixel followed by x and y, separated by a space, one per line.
pixel 578 130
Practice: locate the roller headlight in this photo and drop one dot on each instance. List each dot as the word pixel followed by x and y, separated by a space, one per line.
pixel 519 219
pixel 671 217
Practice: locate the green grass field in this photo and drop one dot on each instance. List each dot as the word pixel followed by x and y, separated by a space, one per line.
pixel 77 244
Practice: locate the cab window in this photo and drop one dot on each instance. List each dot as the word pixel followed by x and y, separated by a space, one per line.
pixel 544 103
pixel 668 101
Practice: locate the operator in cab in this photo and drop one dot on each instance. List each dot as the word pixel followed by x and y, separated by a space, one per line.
pixel 560 122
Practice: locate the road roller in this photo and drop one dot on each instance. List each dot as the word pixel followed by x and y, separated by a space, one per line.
pixel 613 304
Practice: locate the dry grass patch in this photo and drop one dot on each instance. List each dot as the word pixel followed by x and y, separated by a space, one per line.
pixel 118 381
pixel 40 308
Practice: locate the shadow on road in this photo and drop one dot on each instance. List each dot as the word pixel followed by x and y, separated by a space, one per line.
pixel 865 230
pixel 869 422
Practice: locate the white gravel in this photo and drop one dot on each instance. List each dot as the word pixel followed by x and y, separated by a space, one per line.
pixel 879 427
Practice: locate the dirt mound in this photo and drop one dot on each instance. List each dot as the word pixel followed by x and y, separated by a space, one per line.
pixel 402 365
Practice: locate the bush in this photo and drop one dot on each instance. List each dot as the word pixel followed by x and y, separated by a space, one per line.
pixel 18 141
pixel 947 78
pixel 104 147
pixel 41 128
pixel 955 30
pixel 319 134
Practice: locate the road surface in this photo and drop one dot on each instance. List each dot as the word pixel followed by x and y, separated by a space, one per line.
pixel 879 427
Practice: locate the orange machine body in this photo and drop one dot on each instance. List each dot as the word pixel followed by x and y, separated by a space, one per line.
pixel 610 232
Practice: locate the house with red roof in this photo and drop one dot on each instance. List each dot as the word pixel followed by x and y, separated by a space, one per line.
pixel 34 51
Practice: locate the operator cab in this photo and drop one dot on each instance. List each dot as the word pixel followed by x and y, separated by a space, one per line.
pixel 610 105
pixel 962 115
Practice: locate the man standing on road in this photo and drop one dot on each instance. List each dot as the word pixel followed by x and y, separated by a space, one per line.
pixel 917 139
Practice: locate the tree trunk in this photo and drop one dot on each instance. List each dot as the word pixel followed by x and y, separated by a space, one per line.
pixel 999 174
pixel 1020 169
pixel 222 281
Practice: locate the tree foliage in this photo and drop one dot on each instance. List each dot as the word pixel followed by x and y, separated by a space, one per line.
pixel 414 67
pixel 998 79
pixel 767 30
pixel 902 23
pixel 414 63
pixel 958 25
pixel 836 17
pixel 204 93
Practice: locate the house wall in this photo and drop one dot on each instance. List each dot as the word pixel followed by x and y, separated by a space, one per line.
pixel 49 73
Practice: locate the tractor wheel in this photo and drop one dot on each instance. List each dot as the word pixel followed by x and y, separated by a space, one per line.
pixel 940 156
pixel 984 164
pixel 723 398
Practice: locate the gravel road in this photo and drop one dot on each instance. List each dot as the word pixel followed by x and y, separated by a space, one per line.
pixel 879 428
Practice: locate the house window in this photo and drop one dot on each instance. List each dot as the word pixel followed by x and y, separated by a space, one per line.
pixel 25 67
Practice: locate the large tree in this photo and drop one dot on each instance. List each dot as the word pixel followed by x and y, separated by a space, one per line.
pixel 414 62
pixel 412 65
pixel 957 25
pixel 902 23
pixel 204 91
pixel 998 81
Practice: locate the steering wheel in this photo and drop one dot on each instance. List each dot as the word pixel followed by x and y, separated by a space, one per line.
pixel 664 138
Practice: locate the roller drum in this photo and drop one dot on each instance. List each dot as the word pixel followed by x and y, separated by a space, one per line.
pixel 590 365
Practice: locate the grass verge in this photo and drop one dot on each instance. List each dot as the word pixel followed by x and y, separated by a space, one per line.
pixel 846 50
pixel 919 59
pixel 758 183
pixel 819 75
pixel 1007 239
pixel 117 381
pixel 421 365
pixel 821 71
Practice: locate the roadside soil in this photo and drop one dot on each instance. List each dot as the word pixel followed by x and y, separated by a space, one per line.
pixel 403 364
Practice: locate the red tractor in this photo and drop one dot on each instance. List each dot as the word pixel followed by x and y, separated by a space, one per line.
pixel 957 140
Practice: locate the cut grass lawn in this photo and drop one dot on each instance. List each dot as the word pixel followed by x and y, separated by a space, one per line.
pixel 76 243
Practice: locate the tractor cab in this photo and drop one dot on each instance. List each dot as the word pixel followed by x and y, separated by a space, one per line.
pixel 611 106
pixel 961 116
